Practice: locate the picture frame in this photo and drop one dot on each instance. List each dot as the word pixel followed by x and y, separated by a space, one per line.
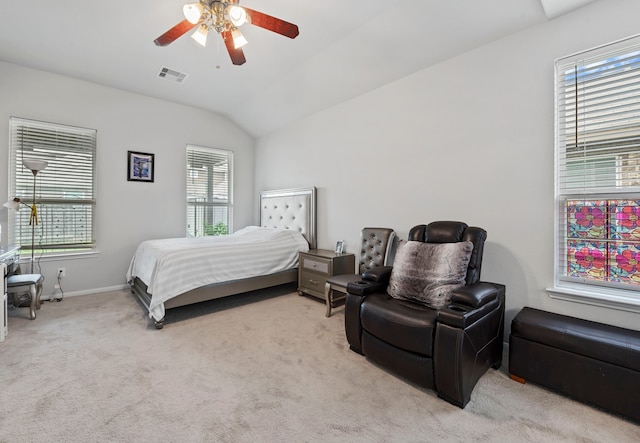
pixel 140 166
pixel 340 247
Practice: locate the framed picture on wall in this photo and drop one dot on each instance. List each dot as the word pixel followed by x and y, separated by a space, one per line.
pixel 140 166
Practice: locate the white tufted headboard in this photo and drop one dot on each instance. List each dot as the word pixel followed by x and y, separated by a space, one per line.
pixel 290 209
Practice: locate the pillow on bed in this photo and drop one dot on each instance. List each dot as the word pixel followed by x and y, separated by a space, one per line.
pixel 429 272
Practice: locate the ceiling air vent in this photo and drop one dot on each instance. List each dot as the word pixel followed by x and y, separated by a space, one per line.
pixel 172 74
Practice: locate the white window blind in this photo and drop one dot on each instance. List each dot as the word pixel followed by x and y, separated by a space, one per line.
pixel 599 121
pixel 598 169
pixel 208 191
pixel 65 189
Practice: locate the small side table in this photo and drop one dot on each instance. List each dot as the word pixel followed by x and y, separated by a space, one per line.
pixel 316 266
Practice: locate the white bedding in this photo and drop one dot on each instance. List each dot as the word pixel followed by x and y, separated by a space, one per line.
pixel 172 266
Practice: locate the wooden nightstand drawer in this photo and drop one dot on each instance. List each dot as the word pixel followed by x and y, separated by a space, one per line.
pixel 315 264
pixel 313 281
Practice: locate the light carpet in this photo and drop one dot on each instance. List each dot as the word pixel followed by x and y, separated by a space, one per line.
pixel 266 366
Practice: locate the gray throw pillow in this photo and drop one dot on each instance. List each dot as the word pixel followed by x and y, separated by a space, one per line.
pixel 429 272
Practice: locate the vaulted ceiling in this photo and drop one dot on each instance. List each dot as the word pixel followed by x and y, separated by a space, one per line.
pixel 345 48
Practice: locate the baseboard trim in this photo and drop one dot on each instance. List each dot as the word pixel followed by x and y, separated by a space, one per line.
pixel 93 291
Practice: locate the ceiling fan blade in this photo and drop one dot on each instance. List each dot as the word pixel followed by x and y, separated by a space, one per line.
pixel 175 32
pixel 237 55
pixel 270 23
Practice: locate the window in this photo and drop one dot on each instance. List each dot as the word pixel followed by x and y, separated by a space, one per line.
pixel 598 176
pixel 208 191
pixel 64 190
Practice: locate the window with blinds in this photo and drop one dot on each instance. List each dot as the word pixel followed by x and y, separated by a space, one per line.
pixel 64 190
pixel 208 191
pixel 598 170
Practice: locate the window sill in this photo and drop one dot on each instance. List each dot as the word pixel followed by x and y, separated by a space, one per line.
pixel 26 258
pixel 622 300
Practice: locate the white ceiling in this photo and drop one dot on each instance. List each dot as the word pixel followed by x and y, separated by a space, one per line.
pixel 345 48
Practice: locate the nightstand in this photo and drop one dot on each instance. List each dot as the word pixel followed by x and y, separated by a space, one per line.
pixel 317 265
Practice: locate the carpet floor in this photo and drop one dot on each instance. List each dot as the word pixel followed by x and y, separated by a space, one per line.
pixel 265 366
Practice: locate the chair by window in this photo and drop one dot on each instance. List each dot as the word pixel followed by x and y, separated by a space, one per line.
pixel 25 288
pixel 376 245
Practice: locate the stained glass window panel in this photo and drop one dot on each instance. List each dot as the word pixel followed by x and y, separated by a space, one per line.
pixel 587 259
pixel 625 219
pixel 623 263
pixel 587 219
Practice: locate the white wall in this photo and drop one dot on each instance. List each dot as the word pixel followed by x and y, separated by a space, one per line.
pixel 127 212
pixel 470 139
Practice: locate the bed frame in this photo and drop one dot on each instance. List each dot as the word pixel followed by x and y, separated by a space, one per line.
pixel 286 208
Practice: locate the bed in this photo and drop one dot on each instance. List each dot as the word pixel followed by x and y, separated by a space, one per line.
pixel 168 273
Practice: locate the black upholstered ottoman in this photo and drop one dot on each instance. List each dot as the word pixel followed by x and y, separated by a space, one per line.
pixel 591 362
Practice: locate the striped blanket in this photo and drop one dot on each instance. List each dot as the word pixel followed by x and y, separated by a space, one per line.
pixel 170 267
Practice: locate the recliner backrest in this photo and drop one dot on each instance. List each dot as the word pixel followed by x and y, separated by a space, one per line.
pixel 375 244
pixel 451 232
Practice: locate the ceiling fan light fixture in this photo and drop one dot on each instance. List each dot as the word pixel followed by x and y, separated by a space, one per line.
pixel 236 15
pixel 201 34
pixel 224 17
pixel 193 12
pixel 238 39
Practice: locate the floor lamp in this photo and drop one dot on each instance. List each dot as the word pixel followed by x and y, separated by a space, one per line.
pixel 34 166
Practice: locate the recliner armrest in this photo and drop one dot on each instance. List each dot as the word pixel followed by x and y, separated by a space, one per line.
pixel 470 304
pixel 474 296
pixel 363 288
pixel 468 340
pixel 380 274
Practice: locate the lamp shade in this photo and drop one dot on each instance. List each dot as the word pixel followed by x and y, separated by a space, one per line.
pixel 238 39
pixel 34 165
pixel 200 35
pixel 12 204
pixel 192 12
pixel 236 15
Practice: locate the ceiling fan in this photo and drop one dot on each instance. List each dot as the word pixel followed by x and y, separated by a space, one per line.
pixel 224 17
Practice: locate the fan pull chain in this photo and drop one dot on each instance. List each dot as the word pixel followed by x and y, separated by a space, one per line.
pixel 217 53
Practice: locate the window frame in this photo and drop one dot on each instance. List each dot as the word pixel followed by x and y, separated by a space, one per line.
pixel 64 147
pixel 607 294
pixel 213 203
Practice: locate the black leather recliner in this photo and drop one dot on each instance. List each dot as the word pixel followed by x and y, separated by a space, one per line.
pixel 446 349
